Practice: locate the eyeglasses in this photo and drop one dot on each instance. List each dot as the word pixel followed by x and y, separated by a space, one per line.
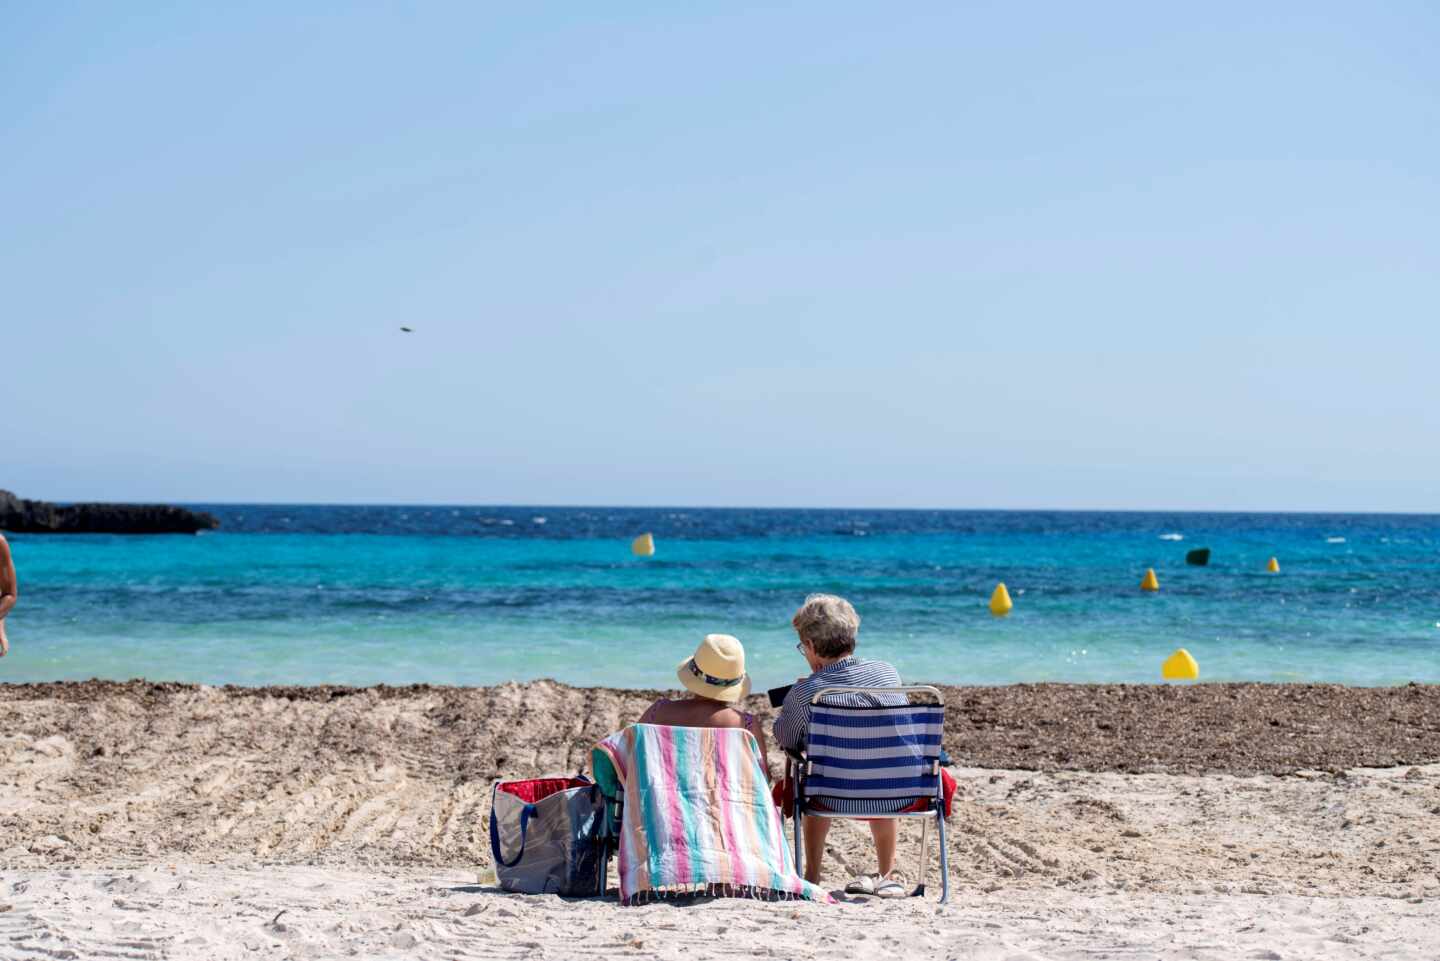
pixel 800 646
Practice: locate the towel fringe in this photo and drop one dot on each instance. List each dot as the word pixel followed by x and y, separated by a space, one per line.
pixel 718 889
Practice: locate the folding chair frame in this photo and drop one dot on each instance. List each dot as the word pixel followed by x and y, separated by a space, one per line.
pixel 797 769
pixel 609 837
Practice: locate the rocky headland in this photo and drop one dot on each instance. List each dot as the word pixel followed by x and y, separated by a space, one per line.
pixel 23 516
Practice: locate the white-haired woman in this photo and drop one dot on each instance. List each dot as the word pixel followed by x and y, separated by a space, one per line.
pixel 827 627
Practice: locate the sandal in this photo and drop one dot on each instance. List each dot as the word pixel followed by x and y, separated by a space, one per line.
pixel 864 884
pixel 877 886
pixel 890 888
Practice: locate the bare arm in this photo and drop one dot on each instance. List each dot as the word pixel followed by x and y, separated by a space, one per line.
pixel 9 585
pixel 9 591
pixel 758 729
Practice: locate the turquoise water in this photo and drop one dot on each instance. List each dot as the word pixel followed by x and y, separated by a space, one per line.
pixel 481 595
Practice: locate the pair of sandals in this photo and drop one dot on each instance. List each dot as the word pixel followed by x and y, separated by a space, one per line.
pixel 876 886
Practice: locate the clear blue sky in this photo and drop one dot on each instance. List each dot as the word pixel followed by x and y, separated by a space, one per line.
pixel 951 255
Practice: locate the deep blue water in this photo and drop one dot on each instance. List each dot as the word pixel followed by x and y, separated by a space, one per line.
pixel 472 595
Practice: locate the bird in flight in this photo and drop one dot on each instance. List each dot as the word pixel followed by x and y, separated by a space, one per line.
pixel 408 330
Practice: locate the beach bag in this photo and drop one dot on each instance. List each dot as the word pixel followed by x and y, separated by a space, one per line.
pixel 545 836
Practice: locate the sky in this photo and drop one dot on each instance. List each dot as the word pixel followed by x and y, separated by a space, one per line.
pixel 969 255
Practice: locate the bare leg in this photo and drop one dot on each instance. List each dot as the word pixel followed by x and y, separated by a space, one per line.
pixel 815 831
pixel 885 832
pixel 4 641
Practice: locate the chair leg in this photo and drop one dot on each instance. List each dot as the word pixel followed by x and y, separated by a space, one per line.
pixel 609 843
pixel 944 857
pixel 919 891
pixel 604 868
pixel 792 777
pixel 799 843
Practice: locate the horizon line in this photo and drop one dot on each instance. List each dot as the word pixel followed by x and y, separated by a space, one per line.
pixel 766 507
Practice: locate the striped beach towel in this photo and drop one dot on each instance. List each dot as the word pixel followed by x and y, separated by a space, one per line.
pixel 697 815
pixel 873 758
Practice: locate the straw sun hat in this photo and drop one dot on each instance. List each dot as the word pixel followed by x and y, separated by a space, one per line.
pixel 717 670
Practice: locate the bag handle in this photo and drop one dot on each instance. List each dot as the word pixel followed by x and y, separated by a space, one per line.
pixel 526 813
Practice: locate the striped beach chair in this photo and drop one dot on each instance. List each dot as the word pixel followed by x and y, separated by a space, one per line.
pixel 869 753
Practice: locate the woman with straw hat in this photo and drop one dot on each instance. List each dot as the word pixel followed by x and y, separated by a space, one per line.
pixel 716 679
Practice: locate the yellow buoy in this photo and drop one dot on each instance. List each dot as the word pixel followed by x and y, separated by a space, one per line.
pixel 1180 666
pixel 643 546
pixel 1000 601
pixel 1273 567
pixel 1150 582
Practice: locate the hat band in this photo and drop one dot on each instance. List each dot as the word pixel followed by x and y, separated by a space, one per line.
pixel 713 681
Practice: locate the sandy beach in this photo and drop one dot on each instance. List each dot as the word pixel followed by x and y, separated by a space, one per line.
pixel 399 400
pixel 1217 821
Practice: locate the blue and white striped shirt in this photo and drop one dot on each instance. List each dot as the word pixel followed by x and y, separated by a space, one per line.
pixel 794 717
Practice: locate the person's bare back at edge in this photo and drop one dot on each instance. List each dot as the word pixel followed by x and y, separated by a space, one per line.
pixel 696 711
pixel 9 591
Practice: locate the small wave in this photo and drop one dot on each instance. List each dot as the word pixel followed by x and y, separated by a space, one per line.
pixel 507 522
pixel 1334 540
pixel 537 520
pixel 1172 537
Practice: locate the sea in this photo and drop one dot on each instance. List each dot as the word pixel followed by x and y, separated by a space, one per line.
pixel 480 595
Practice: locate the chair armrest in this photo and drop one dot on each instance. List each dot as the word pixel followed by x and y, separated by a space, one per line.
pixel 800 759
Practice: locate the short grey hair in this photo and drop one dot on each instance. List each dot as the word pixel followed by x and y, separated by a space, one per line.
pixel 829 623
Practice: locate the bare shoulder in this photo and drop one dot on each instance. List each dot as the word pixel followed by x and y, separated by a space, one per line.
pixel 4 549
pixel 730 717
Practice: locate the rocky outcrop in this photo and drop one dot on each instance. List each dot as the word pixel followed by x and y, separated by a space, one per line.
pixel 22 516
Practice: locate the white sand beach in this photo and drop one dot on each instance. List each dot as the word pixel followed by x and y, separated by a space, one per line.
pixel 172 821
pixel 223 912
